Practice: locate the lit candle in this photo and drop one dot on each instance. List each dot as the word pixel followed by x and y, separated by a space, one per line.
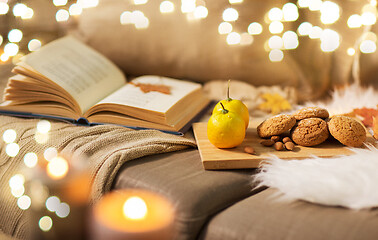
pixel 132 214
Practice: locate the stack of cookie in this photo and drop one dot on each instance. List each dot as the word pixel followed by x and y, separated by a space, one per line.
pixel 312 126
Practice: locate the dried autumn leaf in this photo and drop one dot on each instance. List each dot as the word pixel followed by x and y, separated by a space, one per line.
pixel 375 127
pixel 274 103
pixel 146 87
pixel 366 115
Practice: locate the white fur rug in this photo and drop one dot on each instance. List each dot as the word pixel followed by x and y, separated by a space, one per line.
pixel 348 181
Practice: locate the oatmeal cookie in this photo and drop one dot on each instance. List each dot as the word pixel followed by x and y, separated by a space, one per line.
pixel 310 112
pixel 275 125
pixel 310 132
pixel 347 130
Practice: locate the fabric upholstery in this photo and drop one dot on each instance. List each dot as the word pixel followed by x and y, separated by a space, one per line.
pixel 264 216
pixel 196 194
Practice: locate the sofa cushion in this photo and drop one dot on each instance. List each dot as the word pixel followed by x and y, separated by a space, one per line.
pixel 264 216
pixel 195 193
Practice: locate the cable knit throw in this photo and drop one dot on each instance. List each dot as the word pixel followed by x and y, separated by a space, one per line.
pixel 107 148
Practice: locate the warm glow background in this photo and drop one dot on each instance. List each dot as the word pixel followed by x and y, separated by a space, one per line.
pixel 308 44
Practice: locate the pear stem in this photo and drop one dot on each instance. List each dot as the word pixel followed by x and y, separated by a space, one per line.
pixel 228 89
pixel 224 110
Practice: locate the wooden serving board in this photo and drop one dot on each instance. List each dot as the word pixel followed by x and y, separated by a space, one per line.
pixel 235 158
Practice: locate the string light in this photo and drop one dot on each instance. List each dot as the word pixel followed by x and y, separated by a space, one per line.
pixel 135 208
pixel 330 12
pixel 255 28
pixel 290 40
pixel 235 1
pixel 275 14
pixel 275 42
pixel 230 14
pixel 167 7
pixel 4 8
pixel 276 27
pixel 62 15
pixel 200 12
pixel 233 38
pixel 15 35
pixel 28 14
pixel 290 12
pixel 315 32
pixel 225 28
pixel 315 5
pixel 45 223
pixel 30 159
pixel 303 3
pixel 351 51
pixel 34 45
pixel 246 39
pixel 59 2
pixel 276 55
pixel 354 21
pixel 19 9
pixel 330 40
pixel 75 9
pixel 140 2
pixel 188 6
pixel 368 46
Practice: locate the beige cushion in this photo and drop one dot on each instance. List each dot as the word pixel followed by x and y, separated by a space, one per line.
pixel 265 217
pixel 175 47
pixel 195 193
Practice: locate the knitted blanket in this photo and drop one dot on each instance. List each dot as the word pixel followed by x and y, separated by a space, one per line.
pixel 107 148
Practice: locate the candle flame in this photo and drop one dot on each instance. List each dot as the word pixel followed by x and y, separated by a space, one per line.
pixel 135 208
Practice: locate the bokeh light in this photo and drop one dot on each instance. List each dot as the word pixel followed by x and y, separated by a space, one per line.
pixel 19 9
pixel 188 6
pixel 224 28
pixel 275 14
pixel 30 159
pixel 15 35
pixel 255 28
pixel 290 12
pixel 276 27
pixel 43 126
pixel 50 153
pixel 276 55
pixel 246 39
pixel 230 14
pixel 12 149
pixel 330 12
pixel 45 223
pixel 315 5
pixel 52 203
pixel 62 15
pixel 368 46
pixel 59 2
pixel 330 40
pixel 75 9
pixel 351 51
pixel 233 38
pixel 315 32
pixel 304 29
pixel 24 202
pixel 63 210
pixel 275 42
pixel 4 8
pixel 140 2
pixel 290 40
pixel 303 3
pixel 11 49
pixel 34 45
pixel 200 12
pixel 9 135
pixel 29 13
pixel 167 7
pixel 354 21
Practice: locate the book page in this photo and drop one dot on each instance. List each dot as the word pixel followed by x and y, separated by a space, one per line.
pixel 133 96
pixel 80 70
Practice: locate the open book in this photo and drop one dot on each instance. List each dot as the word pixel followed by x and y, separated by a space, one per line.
pixel 68 80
